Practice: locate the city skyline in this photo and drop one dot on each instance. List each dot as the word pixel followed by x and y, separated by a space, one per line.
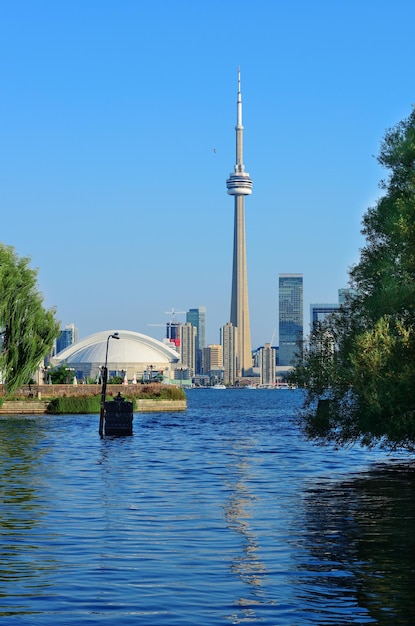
pixel 115 126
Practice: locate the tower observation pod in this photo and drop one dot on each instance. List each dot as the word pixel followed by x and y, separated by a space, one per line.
pixel 239 185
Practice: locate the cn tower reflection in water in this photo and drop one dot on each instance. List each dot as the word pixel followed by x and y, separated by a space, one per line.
pixel 247 564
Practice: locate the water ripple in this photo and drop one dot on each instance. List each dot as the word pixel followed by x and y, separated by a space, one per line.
pixel 223 514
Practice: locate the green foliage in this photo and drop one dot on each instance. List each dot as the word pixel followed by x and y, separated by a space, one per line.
pixel 115 380
pixel 92 404
pixel 62 375
pixel 74 405
pixel 164 392
pixel 361 362
pixel 28 329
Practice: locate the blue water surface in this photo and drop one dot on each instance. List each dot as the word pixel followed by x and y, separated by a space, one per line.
pixel 223 514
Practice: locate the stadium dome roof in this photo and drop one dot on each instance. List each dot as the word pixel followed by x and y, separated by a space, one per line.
pixel 131 347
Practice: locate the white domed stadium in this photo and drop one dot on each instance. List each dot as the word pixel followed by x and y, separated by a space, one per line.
pixel 132 355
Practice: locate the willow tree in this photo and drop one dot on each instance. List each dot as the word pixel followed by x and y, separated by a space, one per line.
pixel 27 329
pixel 361 361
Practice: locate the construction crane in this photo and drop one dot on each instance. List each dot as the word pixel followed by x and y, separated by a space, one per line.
pixel 173 313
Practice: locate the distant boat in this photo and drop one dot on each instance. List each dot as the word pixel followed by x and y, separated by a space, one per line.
pixel 251 387
pixel 218 386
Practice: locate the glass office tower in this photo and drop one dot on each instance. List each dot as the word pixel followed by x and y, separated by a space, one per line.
pixel 319 312
pixel 290 316
pixel 67 337
pixel 197 318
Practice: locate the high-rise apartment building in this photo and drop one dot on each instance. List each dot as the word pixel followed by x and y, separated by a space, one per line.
pixel 213 360
pixel 239 185
pixel 188 346
pixel 229 336
pixel 197 318
pixel 213 363
pixel 267 365
pixel 67 337
pixel 290 316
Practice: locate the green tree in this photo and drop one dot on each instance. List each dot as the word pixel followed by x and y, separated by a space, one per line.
pixel 62 375
pixel 361 362
pixel 27 329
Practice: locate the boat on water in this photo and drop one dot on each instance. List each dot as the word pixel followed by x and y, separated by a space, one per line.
pixel 218 386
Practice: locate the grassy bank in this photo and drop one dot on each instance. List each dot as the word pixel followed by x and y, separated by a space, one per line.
pixel 92 404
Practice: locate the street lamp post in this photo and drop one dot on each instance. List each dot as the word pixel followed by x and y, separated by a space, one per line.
pixel 104 384
pixel 68 374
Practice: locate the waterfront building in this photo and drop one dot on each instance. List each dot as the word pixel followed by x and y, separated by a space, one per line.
pixel 212 358
pixel 183 376
pixel 239 185
pixel 197 317
pixel 67 337
pixel 188 335
pixel 267 365
pixel 229 336
pixel 290 316
pixel 213 362
pixel 133 355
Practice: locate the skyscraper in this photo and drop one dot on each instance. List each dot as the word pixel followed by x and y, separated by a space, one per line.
pixel 197 318
pixel 239 185
pixel 229 336
pixel 290 316
pixel 318 313
pixel 188 334
pixel 213 360
pixel 67 337
pixel 173 333
pixel 267 365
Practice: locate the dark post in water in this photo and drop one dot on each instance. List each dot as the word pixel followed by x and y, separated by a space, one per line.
pixel 118 417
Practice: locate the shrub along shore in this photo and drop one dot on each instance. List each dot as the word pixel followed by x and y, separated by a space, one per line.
pixel 85 399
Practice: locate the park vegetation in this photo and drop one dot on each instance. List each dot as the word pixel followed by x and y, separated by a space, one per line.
pixel 92 403
pixel 27 329
pixel 358 365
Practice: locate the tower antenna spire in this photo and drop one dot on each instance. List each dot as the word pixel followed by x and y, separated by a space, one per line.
pixel 239 105
pixel 239 167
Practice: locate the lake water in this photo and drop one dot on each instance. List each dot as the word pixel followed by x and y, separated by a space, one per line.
pixel 222 514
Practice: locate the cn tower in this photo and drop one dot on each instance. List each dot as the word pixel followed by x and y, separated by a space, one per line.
pixel 239 185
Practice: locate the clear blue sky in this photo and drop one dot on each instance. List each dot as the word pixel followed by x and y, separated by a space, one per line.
pixel 110 112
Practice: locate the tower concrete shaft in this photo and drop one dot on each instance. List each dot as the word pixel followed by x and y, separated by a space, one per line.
pixel 239 185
